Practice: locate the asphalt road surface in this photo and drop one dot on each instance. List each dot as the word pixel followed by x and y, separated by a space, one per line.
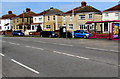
pixel 53 57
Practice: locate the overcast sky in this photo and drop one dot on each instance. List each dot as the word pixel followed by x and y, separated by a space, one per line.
pixel 37 7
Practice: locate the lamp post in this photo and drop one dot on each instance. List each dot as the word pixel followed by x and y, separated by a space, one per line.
pixel 73 22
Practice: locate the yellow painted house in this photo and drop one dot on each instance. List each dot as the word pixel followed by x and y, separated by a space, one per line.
pixel 23 21
pixel 76 18
pixel 52 19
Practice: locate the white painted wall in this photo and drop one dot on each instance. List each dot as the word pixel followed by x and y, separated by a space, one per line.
pixel 37 20
pixel 3 22
pixel 111 16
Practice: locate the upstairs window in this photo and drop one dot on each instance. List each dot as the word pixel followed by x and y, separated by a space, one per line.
pixel 82 17
pixel 70 17
pixel 40 19
pixel 117 14
pixel 90 16
pixel 53 17
pixel 48 18
pixel 64 18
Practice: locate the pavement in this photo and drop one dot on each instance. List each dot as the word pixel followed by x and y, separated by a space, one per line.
pixel 54 57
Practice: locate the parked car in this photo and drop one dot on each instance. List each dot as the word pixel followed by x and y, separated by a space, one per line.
pixel 81 33
pixel 17 33
pixel 48 34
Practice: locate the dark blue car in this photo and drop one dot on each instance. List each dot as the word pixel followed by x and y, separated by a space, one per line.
pixel 17 33
pixel 82 34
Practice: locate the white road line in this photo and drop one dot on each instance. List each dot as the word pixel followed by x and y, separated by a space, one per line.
pixel 2 54
pixel 27 46
pixel 62 44
pixel 81 57
pixel 25 66
pixel 38 48
pixel 14 43
pixel 101 49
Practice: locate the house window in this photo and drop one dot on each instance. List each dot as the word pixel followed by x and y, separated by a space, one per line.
pixel 0 27
pixel 53 17
pixel 32 27
pixel 83 26
pixel 64 18
pixel 90 16
pixel 8 27
pixel 40 19
pixel 47 26
pixel 70 26
pixel 82 17
pixel 17 20
pixel 70 17
pixel 105 26
pixel 48 18
pixel 106 15
pixel 116 14
pixel 91 26
pixel 35 19
pixel 20 27
pixel 22 19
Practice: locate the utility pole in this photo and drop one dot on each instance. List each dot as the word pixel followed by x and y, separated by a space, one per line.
pixel 73 21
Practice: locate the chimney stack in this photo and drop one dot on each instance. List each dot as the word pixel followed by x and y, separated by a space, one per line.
pixel 27 9
pixel 9 12
pixel 83 4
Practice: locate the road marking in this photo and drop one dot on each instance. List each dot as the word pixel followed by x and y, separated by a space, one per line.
pixel 38 48
pixel 101 49
pixel 31 69
pixel 2 54
pixel 81 57
pixel 14 43
pixel 62 44
pixel 27 46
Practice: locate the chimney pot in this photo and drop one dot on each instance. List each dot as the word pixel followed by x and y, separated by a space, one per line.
pixel 9 12
pixel 83 4
pixel 27 9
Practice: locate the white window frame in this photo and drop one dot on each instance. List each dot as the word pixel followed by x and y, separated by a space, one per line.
pixel 82 17
pixel 71 26
pixel 70 17
pixel 48 27
pixel 90 16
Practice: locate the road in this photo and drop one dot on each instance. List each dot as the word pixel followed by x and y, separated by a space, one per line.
pixel 53 57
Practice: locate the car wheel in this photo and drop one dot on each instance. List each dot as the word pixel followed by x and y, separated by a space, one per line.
pixel 85 37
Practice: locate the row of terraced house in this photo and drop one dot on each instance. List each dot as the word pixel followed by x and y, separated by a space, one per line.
pixel 83 17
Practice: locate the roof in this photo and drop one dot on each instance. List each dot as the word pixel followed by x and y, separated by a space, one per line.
pixel 83 9
pixel 51 11
pixel 42 13
pixel 8 16
pixel 87 9
pixel 27 14
pixel 70 11
pixel 115 8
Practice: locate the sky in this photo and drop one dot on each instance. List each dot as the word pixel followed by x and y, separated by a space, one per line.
pixel 37 7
